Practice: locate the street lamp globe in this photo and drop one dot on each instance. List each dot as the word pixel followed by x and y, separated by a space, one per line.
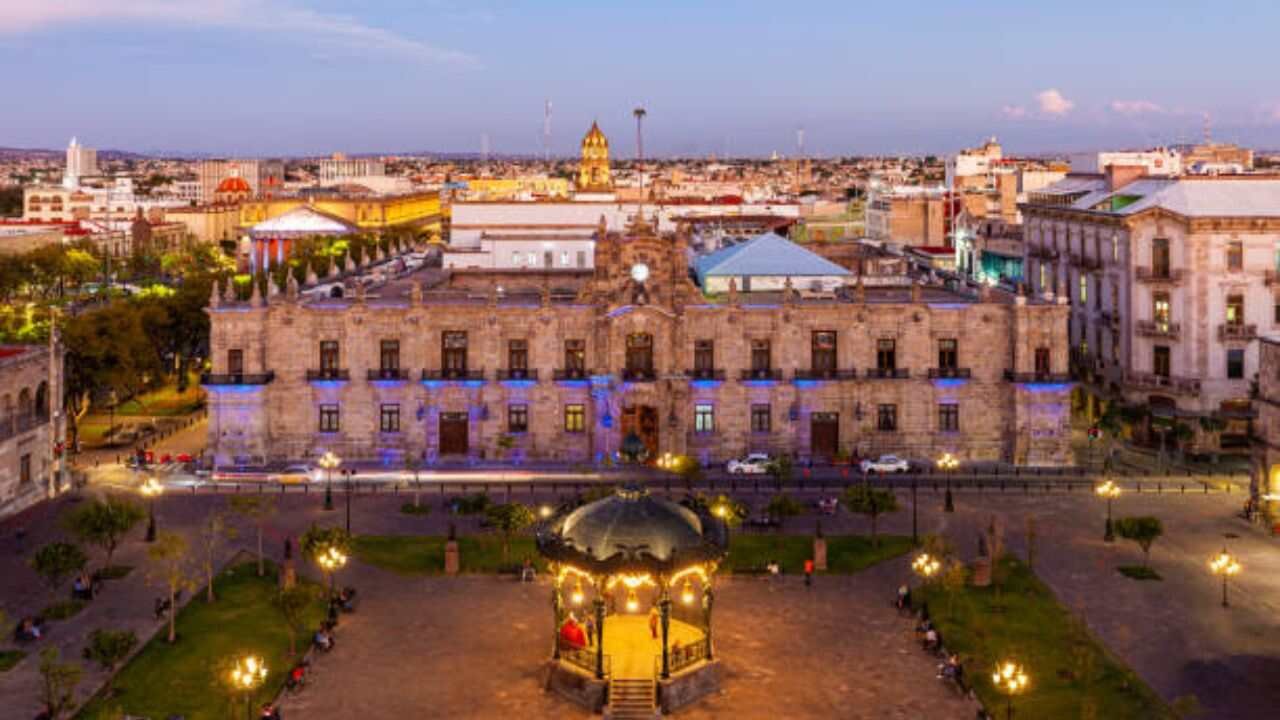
pixel 1010 679
pixel 1225 565
pixel 1108 491
pixel 926 566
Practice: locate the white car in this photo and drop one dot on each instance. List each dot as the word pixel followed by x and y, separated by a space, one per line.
pixel 753 464
pixel 886 464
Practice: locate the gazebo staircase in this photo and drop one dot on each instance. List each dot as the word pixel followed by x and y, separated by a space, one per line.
pixel 631 699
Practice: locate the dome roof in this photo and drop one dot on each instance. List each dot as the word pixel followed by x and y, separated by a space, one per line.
pixel 234 184
pixel 594 137
pixel 633 530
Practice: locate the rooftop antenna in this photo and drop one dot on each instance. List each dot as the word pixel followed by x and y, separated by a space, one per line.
pixel 1208 129
pixel 484 147
pixel 546 132
pixel 640 112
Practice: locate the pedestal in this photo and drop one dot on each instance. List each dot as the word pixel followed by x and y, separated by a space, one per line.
pixel 820 553
pixel 288 575
pixel 981 572
pixel 451 558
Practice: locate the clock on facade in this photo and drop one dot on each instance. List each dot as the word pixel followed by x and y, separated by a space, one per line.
pixel 639 272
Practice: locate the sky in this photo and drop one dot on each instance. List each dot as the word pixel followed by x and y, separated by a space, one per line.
pixel 294 77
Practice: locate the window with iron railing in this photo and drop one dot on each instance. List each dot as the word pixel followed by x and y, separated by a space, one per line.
pixel 235 362
pixel 518 356
pixel 328 356
pixel 1235 309
pixel 1160 361
pixel 704 356
pixel 948 354
pixel 389 356
pixel 1160 310
pixel 824 351
pixel 453 351
pixel 1043 364
pixel 761 356
pixel 517 418
pixel 886 354
pixel 1235 255
pixel 575 355
pixel 1160 257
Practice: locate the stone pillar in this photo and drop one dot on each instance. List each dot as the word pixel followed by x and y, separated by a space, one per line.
pixel 664 607
pixel 820 553
pixel 451 557
pixel 599 603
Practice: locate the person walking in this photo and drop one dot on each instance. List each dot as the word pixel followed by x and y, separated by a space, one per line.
pixel 808 573
pixel 653 623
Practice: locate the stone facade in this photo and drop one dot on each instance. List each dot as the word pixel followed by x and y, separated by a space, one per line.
pixel 31 425
pixel 1266 440
pixel 915 371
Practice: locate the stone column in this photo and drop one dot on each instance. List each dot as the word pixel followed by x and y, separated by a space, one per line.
pixel 664 607
pixel 708 599
pixel 599 604
pixel 555 627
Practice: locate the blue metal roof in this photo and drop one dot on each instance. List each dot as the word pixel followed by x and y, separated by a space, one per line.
pixel 766 254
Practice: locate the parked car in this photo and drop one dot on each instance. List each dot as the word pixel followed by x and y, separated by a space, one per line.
pixel 885 464
pixel 294 475
pixel 752 464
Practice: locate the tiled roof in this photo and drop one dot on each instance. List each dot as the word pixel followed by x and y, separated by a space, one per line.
pixel 766 254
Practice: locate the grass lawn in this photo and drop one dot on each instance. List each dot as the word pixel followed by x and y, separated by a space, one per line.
pixel 186 678
pixel 63 609
pixel 424 554
pixel 1069 669
pixel 9 658
pixel 165 401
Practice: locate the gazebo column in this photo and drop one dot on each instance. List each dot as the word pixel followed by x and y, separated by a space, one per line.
pixel 555 627
pixel 280 251
pixel 708 599
pixel 599 603
pixel 664 607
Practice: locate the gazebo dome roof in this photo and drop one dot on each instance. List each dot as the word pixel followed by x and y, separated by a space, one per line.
pixel 633 530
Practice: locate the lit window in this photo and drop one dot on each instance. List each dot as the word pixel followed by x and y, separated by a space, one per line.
pixel 517 418
pixel 704 420
pixel 575 418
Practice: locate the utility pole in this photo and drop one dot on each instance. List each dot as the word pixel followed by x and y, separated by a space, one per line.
pixel 640 112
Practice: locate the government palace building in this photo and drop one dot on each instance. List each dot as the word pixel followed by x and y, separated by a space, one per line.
pixel 549 373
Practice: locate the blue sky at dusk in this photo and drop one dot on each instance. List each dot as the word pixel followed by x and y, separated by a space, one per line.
pixel 315 76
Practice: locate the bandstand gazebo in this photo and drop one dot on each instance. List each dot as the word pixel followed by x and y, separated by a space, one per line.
pixel 632 600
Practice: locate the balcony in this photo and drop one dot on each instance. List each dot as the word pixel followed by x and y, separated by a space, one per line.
pixel 1163 276
pixel 237 378
pixel 518 374
pixel 1158 329
pixel 1237 332
pixel 761 374
pixel 639 375
pixel 705 374
pixel 805 374
pixel 563 374
pixel 1170 383
pixel 941 373
pixel 877 373
pixel 453 375
pixel 1036 378
pixel 322 374
pixel 387 374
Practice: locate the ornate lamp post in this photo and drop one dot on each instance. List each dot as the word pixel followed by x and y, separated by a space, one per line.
pixel 151 489
pixel 1110 491
pixel 948 464
pixel 331 559
pixel 347 474
pixel 926 566
pixel 1010 679
pixel 1226 565
pixel 328 462
pixel 247 675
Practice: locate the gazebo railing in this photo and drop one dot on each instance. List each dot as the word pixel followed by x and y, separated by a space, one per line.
pixel 585 659
pixel 682 658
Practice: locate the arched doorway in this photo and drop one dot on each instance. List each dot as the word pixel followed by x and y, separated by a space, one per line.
pixel 642 422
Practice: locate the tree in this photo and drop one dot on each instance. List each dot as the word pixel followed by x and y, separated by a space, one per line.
pixel 258 509
pixel 783 506
pixel 56 561
pixel 213 530
pixel 58 681
pixel 509 519
pixel 105 523
pixel 1142 529
pixel 872 502
pixel 172 557
pixel 953 579
pixel 730 511
pixel 781 469
pixel 292 602
pixel 319 540
pixel 108 648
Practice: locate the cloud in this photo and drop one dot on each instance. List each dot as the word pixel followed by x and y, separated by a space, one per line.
pixel 262 16
pixel 1135 107
pixel 1052 102
pixel 1015 112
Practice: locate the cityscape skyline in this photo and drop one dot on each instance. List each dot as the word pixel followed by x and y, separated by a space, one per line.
pixel 268 77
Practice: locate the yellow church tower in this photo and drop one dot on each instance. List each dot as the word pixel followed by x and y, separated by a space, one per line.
pixel 593 170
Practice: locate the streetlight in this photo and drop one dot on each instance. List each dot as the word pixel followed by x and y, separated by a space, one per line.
pixel 926 566
pixel 151 489
pixel 247 675
pixel 348 474
pixel 331 559
pixel 1110 491
pixel 1010 679
pixel 329 462
pixel 948 464
pixel 545 511
pixel 1226 565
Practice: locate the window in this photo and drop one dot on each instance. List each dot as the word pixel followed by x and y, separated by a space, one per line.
pixel 564 258
pixel 704 356
pixel 454 353
pixel 547 256
pixel 1115 347
pixel 517 418
pixel 575 418
pixel 1044 277
pixel 1235 255
pixel 1115 300
pixel 640 353
pixel 24 469
pixel 1160 257
pixel 328 356
pixel 575 356
pixel 1235 309
pixel 582 258
pixel 1097 295
pixel 824 351
pixel 1160 360
pixel 1084 290
pixel 761 357
pixel 235 362
pixel 704 419
pixel 1115 249
pixel 329 418
pixel 1235 364
pixel 1160 310
pixel 886 355
pixel 1276 317
pixel 518 357
pixel 389 356
pixel 948 354
pixel 533 258
pixel 515 258
pixel 761 421
pixel 948 417
pixel 1043 366
pixel 390 418
pixel 887 418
